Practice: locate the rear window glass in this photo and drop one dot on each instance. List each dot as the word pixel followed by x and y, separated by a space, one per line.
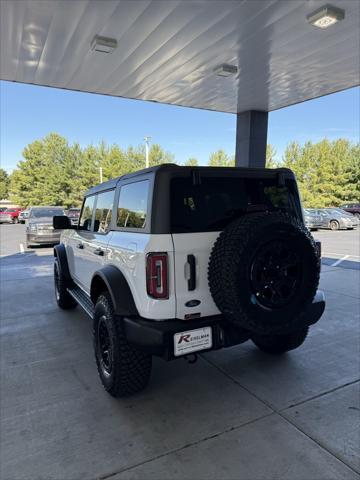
pixel 46 212
pixel 133 203
pixel 215 202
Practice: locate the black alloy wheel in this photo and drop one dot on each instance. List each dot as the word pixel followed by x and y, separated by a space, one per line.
pixel 275 274
pixel 104 347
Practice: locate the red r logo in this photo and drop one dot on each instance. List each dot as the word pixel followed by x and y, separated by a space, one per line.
pixel 185 338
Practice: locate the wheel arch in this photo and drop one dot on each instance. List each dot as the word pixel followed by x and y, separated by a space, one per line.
pixel 60 254
pixel 110 278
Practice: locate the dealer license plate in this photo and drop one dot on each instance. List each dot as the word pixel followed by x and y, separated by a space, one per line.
pixel 192 341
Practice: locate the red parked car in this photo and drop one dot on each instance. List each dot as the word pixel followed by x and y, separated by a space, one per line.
pixel 10 215
pixel 353 208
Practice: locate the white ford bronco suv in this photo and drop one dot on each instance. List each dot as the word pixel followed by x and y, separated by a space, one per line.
pixel 172 261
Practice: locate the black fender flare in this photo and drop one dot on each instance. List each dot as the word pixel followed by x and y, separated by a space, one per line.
pixel 60 254
pixel 119 290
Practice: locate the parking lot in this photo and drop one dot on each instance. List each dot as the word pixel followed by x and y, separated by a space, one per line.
pixel 235 414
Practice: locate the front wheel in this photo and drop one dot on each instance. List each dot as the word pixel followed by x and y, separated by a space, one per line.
pixel 278 344
pixel 334 225
pixel 123 369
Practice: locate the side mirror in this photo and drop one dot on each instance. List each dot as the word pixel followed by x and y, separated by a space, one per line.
pixel 61 222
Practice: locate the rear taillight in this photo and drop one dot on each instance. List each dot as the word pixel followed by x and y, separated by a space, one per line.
pixel 157 275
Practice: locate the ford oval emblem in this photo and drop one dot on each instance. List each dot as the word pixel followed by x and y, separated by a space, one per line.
pixel 192 303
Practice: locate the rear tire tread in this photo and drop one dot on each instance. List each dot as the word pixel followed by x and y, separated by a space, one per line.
pixel 65 301
pixel 131 367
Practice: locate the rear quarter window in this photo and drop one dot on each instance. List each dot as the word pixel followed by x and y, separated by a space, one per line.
pixel 133 205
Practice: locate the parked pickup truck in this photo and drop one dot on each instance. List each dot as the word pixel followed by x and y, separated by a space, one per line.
pixel 10 215
pixel 175 261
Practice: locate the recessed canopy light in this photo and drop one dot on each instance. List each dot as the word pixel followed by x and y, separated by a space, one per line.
pixel 326 16
pixel 103 44
pixel 226 70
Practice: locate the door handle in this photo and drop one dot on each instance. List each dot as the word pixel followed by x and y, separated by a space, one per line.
pixel 99 251
pixel 80 245
pixel 192 276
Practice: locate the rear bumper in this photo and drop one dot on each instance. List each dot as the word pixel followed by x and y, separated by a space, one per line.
pixel 157 337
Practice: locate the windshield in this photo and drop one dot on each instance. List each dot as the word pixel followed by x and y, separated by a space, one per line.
pixel 343 212
pixel 46 212
pixel 215 202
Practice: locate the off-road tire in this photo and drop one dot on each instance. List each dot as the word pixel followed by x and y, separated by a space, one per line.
pixel 62 296
pixel 130 368
pixel 279 344
pixel 230 272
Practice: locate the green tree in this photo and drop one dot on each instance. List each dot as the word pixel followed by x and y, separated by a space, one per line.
pixel 191 162
pixel 158 156
pixel 220 159
pixel 37 178
pixel 270 156
pixel 327 172
pixel 4 184
pixel 56 173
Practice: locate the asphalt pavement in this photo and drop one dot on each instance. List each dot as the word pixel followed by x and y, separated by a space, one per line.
pixel 237 413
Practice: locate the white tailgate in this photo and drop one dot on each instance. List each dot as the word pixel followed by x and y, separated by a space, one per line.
pixel 199 245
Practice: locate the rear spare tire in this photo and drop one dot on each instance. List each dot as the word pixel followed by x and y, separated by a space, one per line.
pixel 263 272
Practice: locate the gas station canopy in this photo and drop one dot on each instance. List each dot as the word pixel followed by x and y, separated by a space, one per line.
pixel 222 55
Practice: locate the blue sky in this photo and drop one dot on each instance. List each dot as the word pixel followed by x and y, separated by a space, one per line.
pixel 30 112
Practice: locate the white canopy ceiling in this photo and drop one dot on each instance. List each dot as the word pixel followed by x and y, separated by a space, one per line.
pixel 167 50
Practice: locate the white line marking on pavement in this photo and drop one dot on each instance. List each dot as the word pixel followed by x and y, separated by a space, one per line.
pixel 22 248
pixel 333 253
pixel 340 260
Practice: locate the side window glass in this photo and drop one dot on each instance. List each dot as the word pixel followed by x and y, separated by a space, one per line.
pixel 104 205
pixel 86 214
pixel 132 208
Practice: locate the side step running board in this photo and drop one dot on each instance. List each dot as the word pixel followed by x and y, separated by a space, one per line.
pixel 82 299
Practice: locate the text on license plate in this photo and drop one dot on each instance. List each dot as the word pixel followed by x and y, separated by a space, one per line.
pixel 192 341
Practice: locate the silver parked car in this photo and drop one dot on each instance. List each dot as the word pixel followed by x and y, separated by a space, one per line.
pixel 39 229
pixel 312 220
pixel 336 219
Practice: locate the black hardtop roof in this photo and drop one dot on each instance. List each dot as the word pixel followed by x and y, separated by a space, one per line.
pixel 172 167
